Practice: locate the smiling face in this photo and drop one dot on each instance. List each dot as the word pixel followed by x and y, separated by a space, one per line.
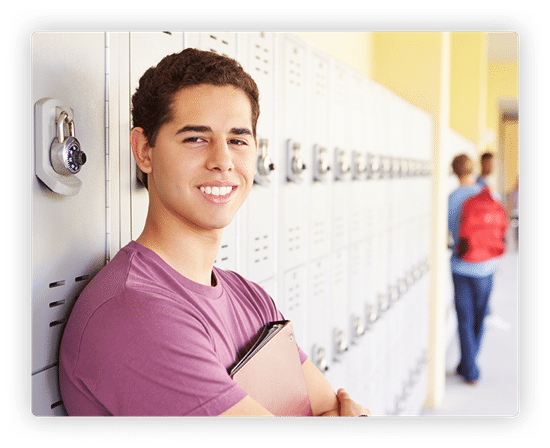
pixel 202 166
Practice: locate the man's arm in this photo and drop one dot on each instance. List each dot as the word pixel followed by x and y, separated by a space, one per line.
pixel 324 402
pixel 247 407
pixel 321 395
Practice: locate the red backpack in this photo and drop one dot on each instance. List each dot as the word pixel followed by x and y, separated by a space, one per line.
pixel 483 225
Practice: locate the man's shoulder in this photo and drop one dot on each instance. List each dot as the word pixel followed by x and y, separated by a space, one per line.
pixel 465 192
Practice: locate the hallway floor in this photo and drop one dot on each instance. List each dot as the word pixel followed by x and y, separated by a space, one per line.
pixel 496 394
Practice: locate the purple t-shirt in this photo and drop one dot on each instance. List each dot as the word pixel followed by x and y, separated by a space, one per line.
pixel 144 340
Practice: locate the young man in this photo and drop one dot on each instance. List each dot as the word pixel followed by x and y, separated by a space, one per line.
pixel 472 281
pixel 486 162
pixel 156 330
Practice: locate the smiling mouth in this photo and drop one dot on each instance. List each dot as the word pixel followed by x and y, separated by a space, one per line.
pixel 218 194
pixel 217 191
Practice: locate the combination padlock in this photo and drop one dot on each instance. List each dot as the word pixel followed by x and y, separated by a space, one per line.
pixel 66 154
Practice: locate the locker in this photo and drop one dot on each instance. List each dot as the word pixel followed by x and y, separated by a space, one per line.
pixel 257 226
pixel 291 144
pixel 293 304
pixel 46 398
pixel 224 43
pixel 338 308
pixel 68 232
pixel 317 154
pixel 318 281
pixel 339 142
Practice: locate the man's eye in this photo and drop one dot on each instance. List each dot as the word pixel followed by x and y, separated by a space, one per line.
pixel 193 140
pixel 237 142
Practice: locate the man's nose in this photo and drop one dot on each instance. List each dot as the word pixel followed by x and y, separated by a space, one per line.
pixel 219 156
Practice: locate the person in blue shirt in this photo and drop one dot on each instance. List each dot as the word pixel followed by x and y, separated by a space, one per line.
pixel 472 282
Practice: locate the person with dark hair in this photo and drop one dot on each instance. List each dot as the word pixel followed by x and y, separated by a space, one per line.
pixel 155 332
pixel 486 162
pixel 472 282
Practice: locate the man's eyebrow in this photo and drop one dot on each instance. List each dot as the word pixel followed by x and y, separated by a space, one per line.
pixel 240 131
pixel 199 128
pixel 192 128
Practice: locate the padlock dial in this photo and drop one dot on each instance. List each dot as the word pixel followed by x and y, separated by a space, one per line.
pixel 75 157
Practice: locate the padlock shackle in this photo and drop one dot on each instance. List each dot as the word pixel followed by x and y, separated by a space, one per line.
pixel 64 117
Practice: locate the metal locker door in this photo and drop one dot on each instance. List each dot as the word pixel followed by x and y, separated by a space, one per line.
pixel 339 143
pixel 46 397
pixel 257 226
pixel 317 155
pixel 146 50
pixel 224 43
pixel 68 232
pixel 337 317
pixel 293 304
pixel 291 143
pixel 318 281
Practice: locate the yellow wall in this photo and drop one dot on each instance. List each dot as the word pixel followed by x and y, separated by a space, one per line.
pixel 353 49
pixel 503 83
pixel 409 63
pixel 468 89
pixel 511 153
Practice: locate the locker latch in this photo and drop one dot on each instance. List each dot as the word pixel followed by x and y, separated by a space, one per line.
pixel 295 162
pixel 372 314
pixel 357 327
pixel 385 163
pixel 358 164
pixel 340 344
pixel 395 167
pixel 341 164
pixel 320 358
pixel 373 166
pixel 264 164
pixel 320 163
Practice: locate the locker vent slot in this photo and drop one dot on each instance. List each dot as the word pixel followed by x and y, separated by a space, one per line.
pixel 294 242
pixel 318 232
pixel 81 278
pixel 261 248
pixel 55 323
pixel 56 404
pixel 58 303
pixel 56 284
pixel 224 248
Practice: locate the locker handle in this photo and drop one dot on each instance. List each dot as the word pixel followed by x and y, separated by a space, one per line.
pixel 319 358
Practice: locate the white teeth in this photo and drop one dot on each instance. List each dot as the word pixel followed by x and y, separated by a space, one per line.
pixel 217 191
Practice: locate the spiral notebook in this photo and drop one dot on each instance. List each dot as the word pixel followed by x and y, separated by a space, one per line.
pixel 271 372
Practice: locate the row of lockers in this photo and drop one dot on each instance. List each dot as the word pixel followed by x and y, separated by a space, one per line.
pixel 336 228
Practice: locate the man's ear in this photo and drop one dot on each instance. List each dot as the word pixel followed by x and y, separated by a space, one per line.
pixel 141 150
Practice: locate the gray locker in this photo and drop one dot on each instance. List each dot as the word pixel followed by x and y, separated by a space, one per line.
pixel 68 232
pixel 291 131
pixel 257 226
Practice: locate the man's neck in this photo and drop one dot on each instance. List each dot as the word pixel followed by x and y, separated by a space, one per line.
pixel 466 181
pixel 191 253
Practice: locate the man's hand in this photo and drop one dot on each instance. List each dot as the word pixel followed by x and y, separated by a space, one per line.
pixel 349 408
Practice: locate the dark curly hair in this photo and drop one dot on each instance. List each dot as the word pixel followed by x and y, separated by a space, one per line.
pixel 151 103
